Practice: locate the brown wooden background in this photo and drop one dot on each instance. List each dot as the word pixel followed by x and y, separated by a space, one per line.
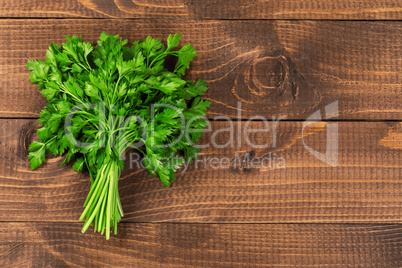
pixel 279 57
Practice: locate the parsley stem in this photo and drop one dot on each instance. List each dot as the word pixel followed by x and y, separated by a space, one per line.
pixel 103 207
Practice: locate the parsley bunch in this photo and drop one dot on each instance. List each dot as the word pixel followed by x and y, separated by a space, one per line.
pixel 104 98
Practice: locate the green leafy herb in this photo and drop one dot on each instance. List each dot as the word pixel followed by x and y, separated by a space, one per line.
pixel 104 98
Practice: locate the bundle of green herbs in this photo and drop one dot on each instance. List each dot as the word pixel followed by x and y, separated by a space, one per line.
pixel 104 98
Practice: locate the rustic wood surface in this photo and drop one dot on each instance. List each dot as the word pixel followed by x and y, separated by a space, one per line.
pixel 206 9
pixel 364 187
pixel 275 68
pixel 202 245
pixel 284 59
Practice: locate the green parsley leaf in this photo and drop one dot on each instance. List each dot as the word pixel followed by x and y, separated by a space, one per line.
pixel 37 157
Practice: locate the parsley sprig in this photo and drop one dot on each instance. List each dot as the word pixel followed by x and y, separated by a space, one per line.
pixel 104 98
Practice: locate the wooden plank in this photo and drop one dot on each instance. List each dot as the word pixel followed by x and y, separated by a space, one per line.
pixel 364 187
pixel 274 68
pixel 202 245
pixel 311 9
pixel 206 9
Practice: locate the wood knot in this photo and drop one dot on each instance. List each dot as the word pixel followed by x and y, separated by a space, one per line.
pixel 271 83
pixel 267 73
pixel 245 163
pixel 266 78
pixel 27 136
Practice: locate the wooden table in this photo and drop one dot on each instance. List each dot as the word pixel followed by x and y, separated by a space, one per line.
pixel 278 58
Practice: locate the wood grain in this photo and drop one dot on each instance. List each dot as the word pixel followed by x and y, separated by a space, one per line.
pixel 272 68
pixel 283 208
pixel 206 9
pixel 364 187
pixel 202 245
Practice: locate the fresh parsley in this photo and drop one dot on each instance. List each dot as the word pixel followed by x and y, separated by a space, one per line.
pixel 104 98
